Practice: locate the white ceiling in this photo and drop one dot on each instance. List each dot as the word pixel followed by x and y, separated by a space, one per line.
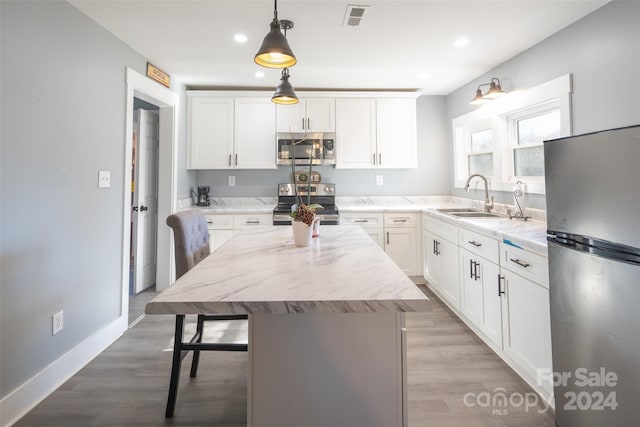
pixel 400 44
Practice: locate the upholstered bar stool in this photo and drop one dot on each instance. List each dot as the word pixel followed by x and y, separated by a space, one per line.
pixel 191 242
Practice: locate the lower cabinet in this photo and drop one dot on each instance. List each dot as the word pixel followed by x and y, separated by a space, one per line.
pixel 401 241
pixel 222 227
pixel 499 290
pixel 371 222
pixel 481 301
pixel 526 325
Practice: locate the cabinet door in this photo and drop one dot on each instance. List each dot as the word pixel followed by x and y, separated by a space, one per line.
pixel 255 134
pixel 356 133
pixel 321 114
pixel 291 118
pixel 449 278
pixel 210 132
pixel 480 302
pixel 432 265
pixel 218 237
pixel 527 325
pixel 401 246
pixel 377 234
pixel 396 133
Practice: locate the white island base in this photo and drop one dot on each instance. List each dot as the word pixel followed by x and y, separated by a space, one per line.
pixel 323 370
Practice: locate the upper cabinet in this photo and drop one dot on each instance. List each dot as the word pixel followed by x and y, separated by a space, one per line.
pixel 396 133
pixel 237 129
pixel 210 132
pixel 308 115
pixel 376 133
pixel 231 133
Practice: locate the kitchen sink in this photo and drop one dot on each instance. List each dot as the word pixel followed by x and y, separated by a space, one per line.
pixel 453 210
pixel 468 214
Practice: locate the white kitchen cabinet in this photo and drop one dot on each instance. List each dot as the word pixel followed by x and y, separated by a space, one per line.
pixel 356 133
pixel 396 133
pixel 255 134
pixel 220 229
pixel 376 133
pixel 401 241
pixel 231 133
pixel 527 327
pixel 480 302
pixel 441 268
pixel 210 132
pixel 244 221
pixel 308 115
pixel 371 222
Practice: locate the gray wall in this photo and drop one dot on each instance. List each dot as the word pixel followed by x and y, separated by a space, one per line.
pixel 430 178
pixel 602 51
pixel 63 119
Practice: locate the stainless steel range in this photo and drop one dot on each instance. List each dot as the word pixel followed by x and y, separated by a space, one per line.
pixel 323 194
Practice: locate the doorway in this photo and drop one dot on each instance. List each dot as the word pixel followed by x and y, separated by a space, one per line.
pixel 155 127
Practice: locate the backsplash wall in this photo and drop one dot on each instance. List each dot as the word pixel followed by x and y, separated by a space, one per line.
pixel 430 178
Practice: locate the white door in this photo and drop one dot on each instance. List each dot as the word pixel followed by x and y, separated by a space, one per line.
pixel 321 115
pixel 396 133
pixel 401 246
pixel 356 128
pixel 255 134
pixel 145 200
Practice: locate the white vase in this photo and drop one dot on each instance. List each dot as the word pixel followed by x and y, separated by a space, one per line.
pixel 301 233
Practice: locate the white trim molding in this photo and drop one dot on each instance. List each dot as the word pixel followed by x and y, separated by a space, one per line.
pixel 27 396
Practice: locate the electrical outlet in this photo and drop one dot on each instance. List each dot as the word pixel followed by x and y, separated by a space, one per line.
pixel 104 179
pixel 379 180
pixel 232 180
pixel 57 322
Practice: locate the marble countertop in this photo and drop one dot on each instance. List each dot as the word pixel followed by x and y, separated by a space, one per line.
pixel 261 271
pixel 530 234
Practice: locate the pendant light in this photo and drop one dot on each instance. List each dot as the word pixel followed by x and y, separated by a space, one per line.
pixel 275 51
pixel 284 92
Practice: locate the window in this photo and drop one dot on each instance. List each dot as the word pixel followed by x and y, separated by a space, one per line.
pixel 503 140
pixel 480 156
pixel 528 128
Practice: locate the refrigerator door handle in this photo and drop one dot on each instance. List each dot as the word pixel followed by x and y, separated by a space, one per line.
pixel 597 247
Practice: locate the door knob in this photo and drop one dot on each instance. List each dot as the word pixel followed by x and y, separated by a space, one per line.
pixel 143 208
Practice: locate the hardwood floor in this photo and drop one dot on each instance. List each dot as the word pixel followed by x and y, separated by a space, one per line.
pixel 127 384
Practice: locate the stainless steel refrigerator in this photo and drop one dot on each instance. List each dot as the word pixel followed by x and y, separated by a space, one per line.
pixel 593 220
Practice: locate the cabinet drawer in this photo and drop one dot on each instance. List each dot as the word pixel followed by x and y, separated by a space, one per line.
pixel 251 220
pixel 441 228
pixel 400 220
pixel 529 265
pixel 479 244
pixel 220 222
pixel 365 220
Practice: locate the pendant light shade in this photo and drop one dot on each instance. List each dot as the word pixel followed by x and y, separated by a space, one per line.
pixel 275 51
pixel 284 92
pixel 495 91
pixel 478 99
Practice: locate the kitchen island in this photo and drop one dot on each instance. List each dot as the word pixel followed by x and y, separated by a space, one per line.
pixel 326 324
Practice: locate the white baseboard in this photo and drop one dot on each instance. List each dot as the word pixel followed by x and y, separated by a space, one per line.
pixel 24 398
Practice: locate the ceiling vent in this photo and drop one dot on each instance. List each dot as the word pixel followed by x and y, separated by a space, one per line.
pixel 354 16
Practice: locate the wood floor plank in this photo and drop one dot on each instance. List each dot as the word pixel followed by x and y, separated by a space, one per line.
pixel 127 384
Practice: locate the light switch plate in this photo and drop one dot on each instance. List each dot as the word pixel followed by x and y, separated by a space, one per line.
pixel 104 179
pixel 232 180
pixel 379 180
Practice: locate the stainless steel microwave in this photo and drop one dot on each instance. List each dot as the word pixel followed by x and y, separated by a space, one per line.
pixel 305 148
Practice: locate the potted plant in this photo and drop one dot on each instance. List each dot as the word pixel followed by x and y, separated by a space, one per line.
pixel 303 214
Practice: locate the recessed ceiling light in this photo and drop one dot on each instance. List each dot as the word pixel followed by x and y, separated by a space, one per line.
pixel 259 74
pixel 461 42
pixel 240 38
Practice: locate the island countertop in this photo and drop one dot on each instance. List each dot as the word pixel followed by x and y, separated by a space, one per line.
pixel 261 271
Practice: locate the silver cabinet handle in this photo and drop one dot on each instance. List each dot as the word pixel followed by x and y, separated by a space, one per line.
pixel 303 123
pixel 520 263
pixel 236 159
pixel 360 220
pixel 400 220
pixel 474 243
pixel 379 159
pixel 500 280
pixel 308 123
pixel 374 158
pixel 252 221
pixel 387 237
pixel 229 159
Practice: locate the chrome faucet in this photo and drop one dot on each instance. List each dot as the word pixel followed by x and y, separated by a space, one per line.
pixel 488 204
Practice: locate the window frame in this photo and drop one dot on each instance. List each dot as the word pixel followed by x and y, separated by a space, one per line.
pixel 502 115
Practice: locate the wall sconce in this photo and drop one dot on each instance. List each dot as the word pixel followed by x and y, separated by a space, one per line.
pixel 495 91
pixel 275 51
